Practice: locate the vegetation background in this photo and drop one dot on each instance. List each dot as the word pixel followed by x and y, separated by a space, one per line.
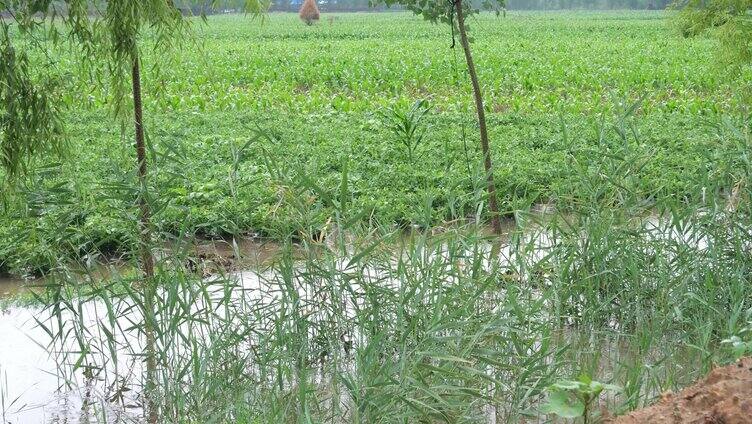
pixel 318 95
pixel 352 143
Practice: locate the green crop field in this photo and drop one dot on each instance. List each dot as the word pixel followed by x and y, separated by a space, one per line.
pixel 247 105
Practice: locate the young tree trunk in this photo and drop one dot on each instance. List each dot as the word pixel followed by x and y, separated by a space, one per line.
pixel 493 206
pixel 147 260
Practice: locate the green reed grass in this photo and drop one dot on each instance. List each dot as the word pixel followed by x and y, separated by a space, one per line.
pixel 367 324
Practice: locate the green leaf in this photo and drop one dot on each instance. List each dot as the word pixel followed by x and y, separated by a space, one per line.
pixel 567 385
pixel 563 404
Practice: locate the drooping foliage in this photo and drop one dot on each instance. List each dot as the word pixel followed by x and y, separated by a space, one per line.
pixel 109 35
pixel 729 20
pixel 309 12
pixel 30 112
pixel 30 120
pixel 106 32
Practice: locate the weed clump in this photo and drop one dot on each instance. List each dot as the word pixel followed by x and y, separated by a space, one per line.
pixel 309 12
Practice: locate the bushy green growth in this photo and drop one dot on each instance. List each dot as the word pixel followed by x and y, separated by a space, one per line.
pixel 406 125
pixel 741 342
pixel 729 20
pixel 30 116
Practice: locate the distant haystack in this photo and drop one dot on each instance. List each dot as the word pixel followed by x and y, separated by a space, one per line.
pixel 309 12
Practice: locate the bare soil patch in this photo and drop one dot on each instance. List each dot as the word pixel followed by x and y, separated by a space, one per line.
pixel 723 397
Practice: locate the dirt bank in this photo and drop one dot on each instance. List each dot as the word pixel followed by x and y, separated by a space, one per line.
pixel 723 397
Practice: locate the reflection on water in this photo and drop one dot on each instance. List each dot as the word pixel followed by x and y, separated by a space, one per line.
pixel 31 389
pixel 28 383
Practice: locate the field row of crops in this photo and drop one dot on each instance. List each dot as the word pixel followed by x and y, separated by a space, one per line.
pixel 249 105
pixel 359 62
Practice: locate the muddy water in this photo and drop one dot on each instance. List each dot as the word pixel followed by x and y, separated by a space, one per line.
pixel 30 383
pixel 248 253
pixel 31 391
pixel 11 286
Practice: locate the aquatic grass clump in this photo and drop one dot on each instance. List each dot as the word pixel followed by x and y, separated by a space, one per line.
pixel 420 334
pixel 438 327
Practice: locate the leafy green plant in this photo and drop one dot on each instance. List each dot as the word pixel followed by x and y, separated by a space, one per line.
pixel 399 327
pixel 454 13
pixel 741 343
pixel 425 326
pixel 407 126
pixel 574 398
pixel 116 42
pixel 30 120
pixel 322 109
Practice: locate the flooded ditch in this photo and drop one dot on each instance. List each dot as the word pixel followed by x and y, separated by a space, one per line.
pixel 316 316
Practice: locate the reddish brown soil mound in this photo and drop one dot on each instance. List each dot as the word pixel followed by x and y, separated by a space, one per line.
pixel 723 397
